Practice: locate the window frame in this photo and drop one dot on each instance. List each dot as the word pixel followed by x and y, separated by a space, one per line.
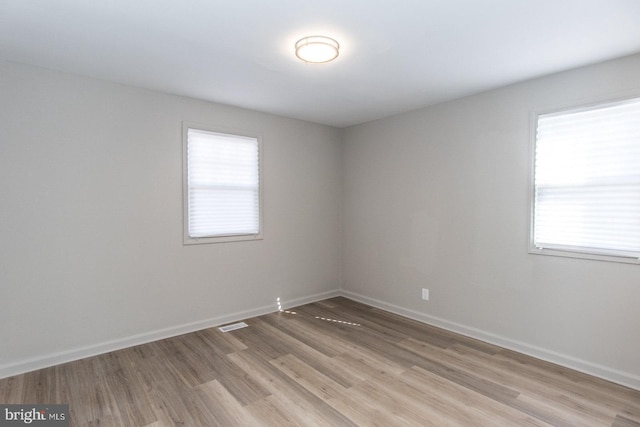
pixel 187 239
pixel 579 253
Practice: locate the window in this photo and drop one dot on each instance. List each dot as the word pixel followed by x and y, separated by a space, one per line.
pixel 221 186
pixel 587 183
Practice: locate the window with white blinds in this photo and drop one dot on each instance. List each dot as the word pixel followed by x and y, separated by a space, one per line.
pixel 587 182
pixel 222 191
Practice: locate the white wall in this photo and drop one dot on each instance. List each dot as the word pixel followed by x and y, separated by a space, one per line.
pixel 91 254
pixel 439 198
pixel 91 246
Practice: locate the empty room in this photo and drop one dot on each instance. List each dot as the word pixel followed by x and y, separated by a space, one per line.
pixel 339 213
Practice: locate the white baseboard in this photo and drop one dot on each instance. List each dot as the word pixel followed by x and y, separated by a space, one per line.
pixel 52 359
pixel 609 374
pixel 616 376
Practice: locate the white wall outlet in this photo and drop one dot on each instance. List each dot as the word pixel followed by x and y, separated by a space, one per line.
pixel 425 294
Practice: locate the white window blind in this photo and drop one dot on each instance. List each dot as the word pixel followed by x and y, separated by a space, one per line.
pixel 223 184
pixel 587 180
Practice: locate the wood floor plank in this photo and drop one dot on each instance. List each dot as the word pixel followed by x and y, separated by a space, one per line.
pixel 362 410
pixel 472 362
pixel 305 405
pixel 312 380
pixel 569 381
pixel 312 333
pixel 324 364
pixel 220 343
pixel 544 391
pixel 629 413
pixel 431 334
pixel 223 406
pixel 243 387
pixel 391 396
pixel 332 363
pixel 555 414
pixel 369 363
pixel 622 421
pixel 182 358
pixel 401 403
pixel 11 388
pixel 275 412
pixel 465 406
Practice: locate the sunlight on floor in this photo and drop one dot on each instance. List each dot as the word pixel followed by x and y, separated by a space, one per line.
pixel 342 322
pixel 338 321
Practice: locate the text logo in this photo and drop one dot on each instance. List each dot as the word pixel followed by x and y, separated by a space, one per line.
pixel 34 415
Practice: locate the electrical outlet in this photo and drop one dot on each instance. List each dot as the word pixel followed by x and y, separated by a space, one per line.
pixel 425 294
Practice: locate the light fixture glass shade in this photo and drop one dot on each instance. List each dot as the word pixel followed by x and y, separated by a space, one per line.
pixel 317 49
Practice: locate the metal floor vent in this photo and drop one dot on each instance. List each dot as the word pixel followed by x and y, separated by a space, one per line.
pixel 232 327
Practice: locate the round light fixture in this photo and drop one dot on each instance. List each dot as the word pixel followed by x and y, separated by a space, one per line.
pixel 317 49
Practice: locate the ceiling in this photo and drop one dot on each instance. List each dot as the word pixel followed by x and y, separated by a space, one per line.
pixel 395 56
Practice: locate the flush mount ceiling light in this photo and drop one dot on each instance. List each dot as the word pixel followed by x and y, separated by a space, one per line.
pixel 317 49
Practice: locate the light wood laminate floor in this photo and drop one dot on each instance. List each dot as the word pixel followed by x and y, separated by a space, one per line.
pixel 331 363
